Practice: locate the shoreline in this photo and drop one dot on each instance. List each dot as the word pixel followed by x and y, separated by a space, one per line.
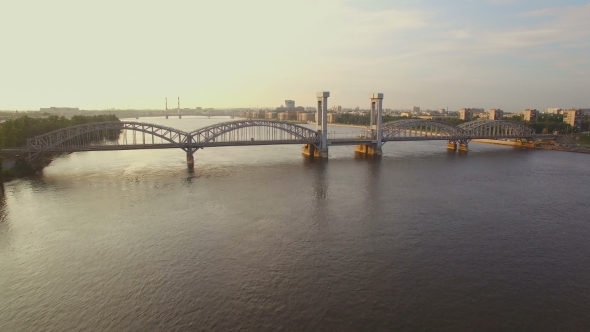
pixel 545 147
pixel 344 125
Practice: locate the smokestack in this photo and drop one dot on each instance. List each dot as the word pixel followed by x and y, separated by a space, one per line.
pixel 178 104
pixel 166 104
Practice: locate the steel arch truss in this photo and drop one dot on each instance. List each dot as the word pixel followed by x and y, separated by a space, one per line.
pixel 416 129
pixel 73 138
pixel 496 129
pixel 255 131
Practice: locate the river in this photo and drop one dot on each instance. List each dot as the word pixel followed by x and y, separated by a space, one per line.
pixel 263 239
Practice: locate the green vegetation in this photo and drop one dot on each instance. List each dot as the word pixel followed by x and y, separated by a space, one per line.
pixel 546 124
pixel 14 133
pixel 21 168
pixel 452 121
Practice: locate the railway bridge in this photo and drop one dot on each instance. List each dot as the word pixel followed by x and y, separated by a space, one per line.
pixel 137 135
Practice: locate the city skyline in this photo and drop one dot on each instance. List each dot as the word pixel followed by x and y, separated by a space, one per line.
pixel 506 54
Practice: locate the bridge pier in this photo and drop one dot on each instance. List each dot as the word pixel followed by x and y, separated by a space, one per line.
pixel 463 145
pixel 452 145
pixel 369 149
pixel 376 117
pixel 190 162
pixel 309 150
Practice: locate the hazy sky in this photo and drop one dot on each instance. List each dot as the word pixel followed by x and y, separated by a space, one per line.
pixel 509 54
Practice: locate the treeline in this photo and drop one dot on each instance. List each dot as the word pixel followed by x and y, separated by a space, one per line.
pixel 547 124
pixel 14 133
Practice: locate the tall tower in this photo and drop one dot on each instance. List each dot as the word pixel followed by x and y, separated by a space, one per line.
pixel 178 108
pixel 322 122
pixel 376 133
pixel 376 119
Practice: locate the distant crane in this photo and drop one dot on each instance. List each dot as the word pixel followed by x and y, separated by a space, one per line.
pixel 179 116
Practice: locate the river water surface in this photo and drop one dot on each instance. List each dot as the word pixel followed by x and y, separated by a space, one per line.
pixel 263 239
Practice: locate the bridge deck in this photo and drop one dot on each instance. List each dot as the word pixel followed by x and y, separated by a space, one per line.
pixel 331 142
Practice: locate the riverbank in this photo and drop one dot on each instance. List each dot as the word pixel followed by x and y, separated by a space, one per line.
pixel 15 168
pixel 497 142
pixel 344 125
pixel 542 147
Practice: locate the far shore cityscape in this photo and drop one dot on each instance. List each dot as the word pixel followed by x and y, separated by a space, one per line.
pixel 575 120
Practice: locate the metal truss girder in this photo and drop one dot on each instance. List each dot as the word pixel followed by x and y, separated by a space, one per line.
pixel 53 139
pixel 497 128
pixel 421 128
pixel 210 133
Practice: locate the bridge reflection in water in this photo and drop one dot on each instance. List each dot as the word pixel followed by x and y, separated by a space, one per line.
pixel 136 135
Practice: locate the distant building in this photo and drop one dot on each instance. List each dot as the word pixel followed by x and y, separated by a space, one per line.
pixel 482 116
pixel 530 115
pixel 442 111
pixel 305 117
pixel 60 110
pixel 270 115
pixel 290 104
pixel 553 110
pixel 495 114
pixel 333 117
pixel 405 114
pixel 291 114
pixel 573 117
pixel 416 109
pixel 511 115
pixel 465 114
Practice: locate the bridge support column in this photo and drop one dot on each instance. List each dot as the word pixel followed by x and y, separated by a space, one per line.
pixel 368 149
pixel 376 120
pixel 463 145
pixel 452 145
pixel 190 161
pixel 322 123
pixel 309 150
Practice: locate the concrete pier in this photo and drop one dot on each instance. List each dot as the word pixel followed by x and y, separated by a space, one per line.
pixel 452 146
pixel 370 150
pixel 190 161
pixel 309 150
